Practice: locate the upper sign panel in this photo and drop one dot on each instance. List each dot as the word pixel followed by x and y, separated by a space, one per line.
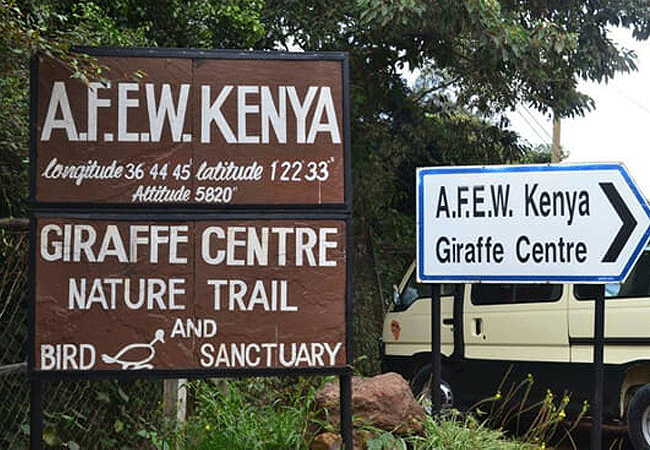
pixel 562 223
pixel 228 129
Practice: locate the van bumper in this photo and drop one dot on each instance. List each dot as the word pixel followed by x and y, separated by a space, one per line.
pixel 404 365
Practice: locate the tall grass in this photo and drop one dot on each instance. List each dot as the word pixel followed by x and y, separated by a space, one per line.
pixel 455 431
pixel 280 414
pixel 253 414
pixel 538 421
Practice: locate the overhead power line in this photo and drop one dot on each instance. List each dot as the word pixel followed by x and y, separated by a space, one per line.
pixel 632 100
pixel 544 136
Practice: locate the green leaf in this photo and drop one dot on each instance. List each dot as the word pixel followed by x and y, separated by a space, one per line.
pixel 122 394
pixel 103 397
pixel 386 441
pixel 50 437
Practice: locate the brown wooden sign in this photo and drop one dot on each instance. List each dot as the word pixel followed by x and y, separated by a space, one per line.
pixel 231 294
pixel 191 130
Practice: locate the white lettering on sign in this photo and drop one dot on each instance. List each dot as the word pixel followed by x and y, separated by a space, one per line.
pixel 159 194
pixel 80 242
pixel 191 328
pixel 158 109
pixel 59 101
pixel 166 109
pixel 231 246
pixel 269 354
pixel 266 295
pixel 67 356
pixel 309 246
pixel 257 107
pixel 229 171
pixel 107 293
pixel 90 170
pixel 267 115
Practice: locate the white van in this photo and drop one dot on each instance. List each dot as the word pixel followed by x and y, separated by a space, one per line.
pixel 543 329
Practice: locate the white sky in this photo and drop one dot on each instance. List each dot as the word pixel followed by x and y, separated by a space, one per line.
pixel 618 130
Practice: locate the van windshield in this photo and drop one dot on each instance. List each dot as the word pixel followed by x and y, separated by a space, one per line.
pixel 414 291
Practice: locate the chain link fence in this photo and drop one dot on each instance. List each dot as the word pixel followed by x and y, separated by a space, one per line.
pixel 89 414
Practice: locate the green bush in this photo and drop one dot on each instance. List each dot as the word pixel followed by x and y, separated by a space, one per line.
pixel 454 431
pixel 251 414
pixel 279 413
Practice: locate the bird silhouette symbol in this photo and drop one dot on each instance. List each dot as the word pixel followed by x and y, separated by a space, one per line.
pixel 122 356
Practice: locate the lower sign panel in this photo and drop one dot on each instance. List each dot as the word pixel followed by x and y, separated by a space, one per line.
pixel 136 295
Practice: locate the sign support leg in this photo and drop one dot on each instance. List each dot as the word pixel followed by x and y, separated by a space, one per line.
pixel 436 363
pixel 599 371
pixel 36 414
pixel 345 388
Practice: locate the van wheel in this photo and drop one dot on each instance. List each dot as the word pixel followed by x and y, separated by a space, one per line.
pixel 421 387
pixel 638 419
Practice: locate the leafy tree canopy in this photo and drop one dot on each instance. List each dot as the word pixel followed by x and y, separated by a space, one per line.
pixel 494 53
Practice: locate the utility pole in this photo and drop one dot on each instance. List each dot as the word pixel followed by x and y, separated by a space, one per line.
pixel 555 149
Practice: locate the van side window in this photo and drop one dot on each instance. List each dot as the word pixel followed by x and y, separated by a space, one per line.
pixel 414 291
pixel 500 294
pixel 637 283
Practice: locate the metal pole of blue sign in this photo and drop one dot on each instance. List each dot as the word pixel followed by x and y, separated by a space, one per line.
pixel 436 363
pixel 599 371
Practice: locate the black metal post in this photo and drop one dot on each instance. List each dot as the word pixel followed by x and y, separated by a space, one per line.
pixel 436 363
pixel 36 414
pixel 345 386
pixel 599 371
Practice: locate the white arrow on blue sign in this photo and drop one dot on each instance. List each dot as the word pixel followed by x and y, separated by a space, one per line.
pixel 583 223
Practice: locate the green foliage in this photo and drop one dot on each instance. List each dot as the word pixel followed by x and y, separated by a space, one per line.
pixel 502 53
pixel 454 431
pixel 196 23
pixel 14 164
pixel 273 413
pixel 124 408
pixel 535 421
pixel 542 155
pixel 386 441
pixel 14 120
pixel 249 414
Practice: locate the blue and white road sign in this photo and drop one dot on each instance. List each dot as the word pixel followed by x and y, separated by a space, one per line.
pixel 584 223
